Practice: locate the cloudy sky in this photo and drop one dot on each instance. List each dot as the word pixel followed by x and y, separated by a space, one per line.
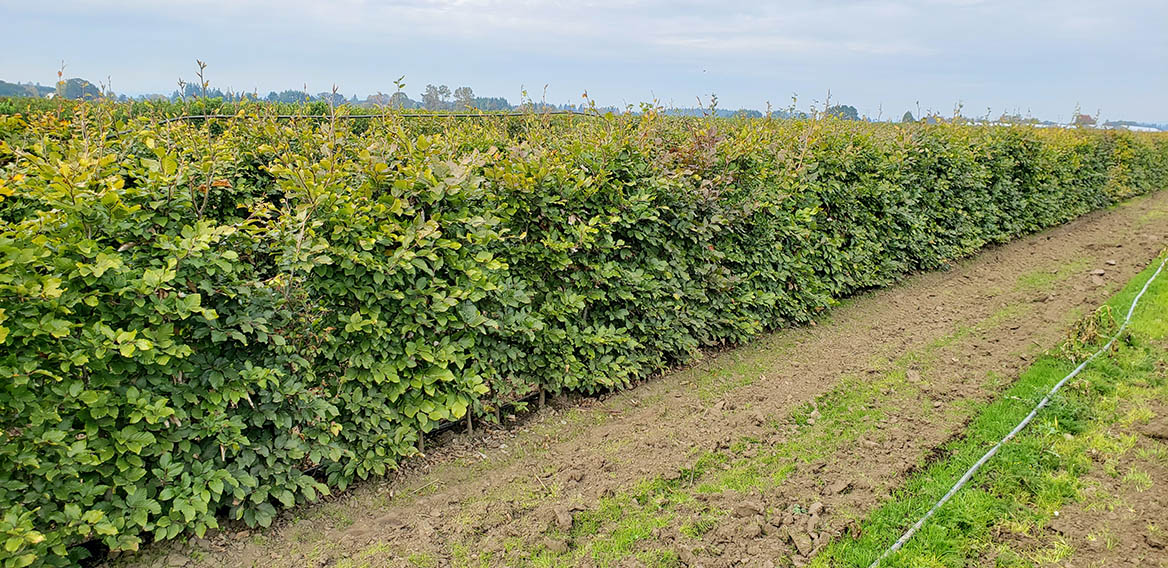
pixel 1038 57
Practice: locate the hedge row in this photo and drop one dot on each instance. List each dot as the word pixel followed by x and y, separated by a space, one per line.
pixel 217 319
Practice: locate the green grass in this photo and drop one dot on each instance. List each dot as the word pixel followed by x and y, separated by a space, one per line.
pixel 1044 278
pixel 736 368
pixel 1152 216
pixel 1020 489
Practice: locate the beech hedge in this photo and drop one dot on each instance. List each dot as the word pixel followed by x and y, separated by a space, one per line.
pixel 215 319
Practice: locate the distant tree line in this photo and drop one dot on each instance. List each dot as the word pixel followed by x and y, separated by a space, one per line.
pixel 23 90
pixel 443 98
pixel 718 112
pixel 846 112
pixel 432 98
pixel 74 88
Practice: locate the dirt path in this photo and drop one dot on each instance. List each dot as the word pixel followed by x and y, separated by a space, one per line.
pixel 755 456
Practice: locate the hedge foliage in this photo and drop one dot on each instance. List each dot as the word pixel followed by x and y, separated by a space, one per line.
pixel 216 319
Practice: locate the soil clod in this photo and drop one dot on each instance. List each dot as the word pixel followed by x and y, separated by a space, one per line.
pixel 839 487
pixel 748 509
pixel 803 543
pixel 562 518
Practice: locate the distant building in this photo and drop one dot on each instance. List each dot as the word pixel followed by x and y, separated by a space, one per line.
pixel 1137 128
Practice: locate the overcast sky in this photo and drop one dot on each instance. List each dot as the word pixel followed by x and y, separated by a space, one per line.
pixel 1035 57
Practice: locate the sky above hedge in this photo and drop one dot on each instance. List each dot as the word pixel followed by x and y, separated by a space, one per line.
pixel 1039 57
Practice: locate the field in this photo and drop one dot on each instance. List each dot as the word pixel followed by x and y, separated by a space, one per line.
pixel 205 322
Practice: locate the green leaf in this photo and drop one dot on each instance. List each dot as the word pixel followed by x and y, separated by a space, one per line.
pixel 438 374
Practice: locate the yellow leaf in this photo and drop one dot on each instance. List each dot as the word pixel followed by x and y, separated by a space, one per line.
pixel 51 288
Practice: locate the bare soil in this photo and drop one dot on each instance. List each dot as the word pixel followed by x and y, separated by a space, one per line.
pixel 962 334
pixel 1123 518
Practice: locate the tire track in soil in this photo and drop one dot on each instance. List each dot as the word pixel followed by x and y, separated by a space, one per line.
pixel 487 493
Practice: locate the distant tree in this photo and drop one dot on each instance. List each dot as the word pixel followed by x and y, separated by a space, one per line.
pixel 846 112
pixel 290 96
pixel 436 97
pixel 463 98
pixel 432 98
pixel 1084 120
pixel 77 89
pixel 401 100
pixel 335 99
pixel 377 100
pixel 492 103
pixel 908 117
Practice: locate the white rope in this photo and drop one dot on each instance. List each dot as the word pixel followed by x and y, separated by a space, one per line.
pixel 1045 400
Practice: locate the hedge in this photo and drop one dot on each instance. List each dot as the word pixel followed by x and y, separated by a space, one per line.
pixel 209 320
